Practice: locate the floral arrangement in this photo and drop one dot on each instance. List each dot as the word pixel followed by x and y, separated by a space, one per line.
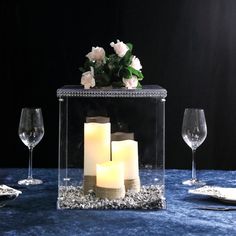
pixel 120 69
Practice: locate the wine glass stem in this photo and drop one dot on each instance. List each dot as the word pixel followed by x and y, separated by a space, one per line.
pixel 193 165
pixel 30 175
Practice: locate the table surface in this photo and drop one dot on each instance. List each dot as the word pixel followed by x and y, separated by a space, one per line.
pixel 34 211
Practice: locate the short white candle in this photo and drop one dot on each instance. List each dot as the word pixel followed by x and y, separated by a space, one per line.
pixel 127 151
pixel 97 138
pixel 110 175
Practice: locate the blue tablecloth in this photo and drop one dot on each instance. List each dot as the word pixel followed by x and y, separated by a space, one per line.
pixel 34 211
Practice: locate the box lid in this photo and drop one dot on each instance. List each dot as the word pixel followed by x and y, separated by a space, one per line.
pixel 79 91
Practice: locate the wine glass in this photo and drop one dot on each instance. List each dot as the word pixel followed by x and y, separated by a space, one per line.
pixel 194 132
pixel 31 131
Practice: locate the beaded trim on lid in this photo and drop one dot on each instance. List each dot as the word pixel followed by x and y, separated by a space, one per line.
pixel 78 91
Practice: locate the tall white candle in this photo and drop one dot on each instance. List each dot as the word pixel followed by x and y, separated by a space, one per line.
pixel 97 138
pixel 127 151
pixel 110 175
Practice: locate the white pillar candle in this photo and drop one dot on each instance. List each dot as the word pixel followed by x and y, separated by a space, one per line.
pixel 97 138
pixel 110 175
pixel 127 151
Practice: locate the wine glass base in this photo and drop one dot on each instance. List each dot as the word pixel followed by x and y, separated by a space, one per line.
pixel 30 181
pixel 193 182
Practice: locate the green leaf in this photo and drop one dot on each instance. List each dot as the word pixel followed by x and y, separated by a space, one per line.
pixel 126 60
pixel 102 79
pixel 125 73
pixel 113 63
pixel 138 73
pixel 140 77
pixel 139 85
pixel 130 46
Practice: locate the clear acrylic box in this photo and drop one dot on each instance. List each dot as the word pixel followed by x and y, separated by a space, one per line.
pixel 103 127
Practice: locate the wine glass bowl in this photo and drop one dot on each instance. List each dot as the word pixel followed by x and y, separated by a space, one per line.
pixel 31 137
pixel 31 131
pixel 194 132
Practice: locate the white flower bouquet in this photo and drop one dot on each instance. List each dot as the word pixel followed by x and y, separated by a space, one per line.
pixel 120 69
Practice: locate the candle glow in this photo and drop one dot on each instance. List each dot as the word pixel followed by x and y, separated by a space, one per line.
pixel 110 175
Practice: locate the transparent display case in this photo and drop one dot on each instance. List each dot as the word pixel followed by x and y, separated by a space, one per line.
pixel 111 148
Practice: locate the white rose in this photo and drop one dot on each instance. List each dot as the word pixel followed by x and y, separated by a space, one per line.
pixel 131 83
pixel 97 54
pixel 135 63
pixel 120 48
pixel 87 79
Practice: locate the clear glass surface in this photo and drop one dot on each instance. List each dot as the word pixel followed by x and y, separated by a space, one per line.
pixel 77 103
pixel 194 132
pixel 31 131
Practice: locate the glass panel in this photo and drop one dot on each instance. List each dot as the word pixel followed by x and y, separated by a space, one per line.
pixel 140 112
